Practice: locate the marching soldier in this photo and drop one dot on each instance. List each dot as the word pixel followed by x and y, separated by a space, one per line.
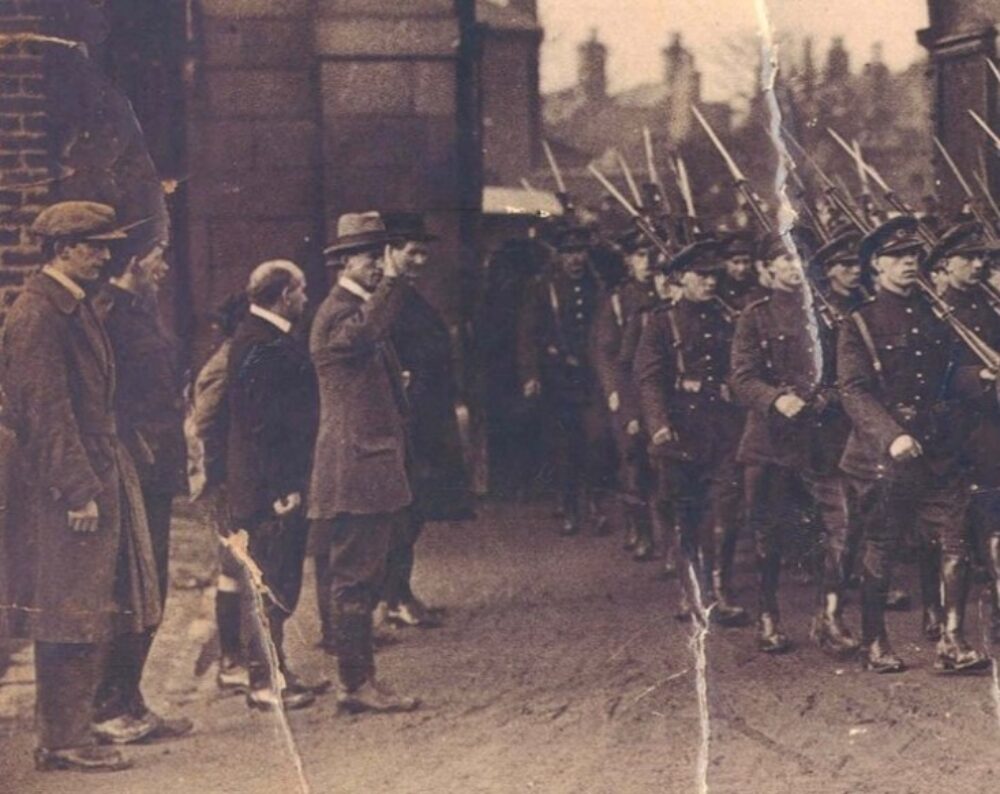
pixel 738 285
pixel 961 254
pixel 554 332
pixel 778 375
pixel 681 367
pixel 619 309
pixel 911 407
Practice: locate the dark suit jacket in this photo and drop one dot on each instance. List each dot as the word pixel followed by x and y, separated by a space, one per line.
pixel 423 347
pixel 360 462
pixel 272 419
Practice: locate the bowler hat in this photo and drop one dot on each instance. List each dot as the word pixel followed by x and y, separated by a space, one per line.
pixel 358 230
pixel 408 226
pixel 895 237
pixel 84 220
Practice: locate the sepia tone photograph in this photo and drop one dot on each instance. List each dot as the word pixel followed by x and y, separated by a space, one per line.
pixel 499 396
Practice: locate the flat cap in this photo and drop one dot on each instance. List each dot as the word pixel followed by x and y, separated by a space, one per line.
pixel 895 237
pixel 86 220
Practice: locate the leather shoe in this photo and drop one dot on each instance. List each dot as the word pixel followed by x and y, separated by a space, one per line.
pixel 267 700
pixel 232 677
pixel 123 729
pixel 729 615
pixel 166 727
pixel 878 657
pixel 81 759
pixel 294 683
pixel 413 614
pixel 769 637
pixel 373 696
pixel 832 636
pixel 955 655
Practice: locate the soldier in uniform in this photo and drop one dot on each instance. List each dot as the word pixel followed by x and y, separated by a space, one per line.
pixel 961 255
pixel 778 375
pixel 911 406
pixel 619 310
pixel 681 367
pixel 554 356
pixel 738 285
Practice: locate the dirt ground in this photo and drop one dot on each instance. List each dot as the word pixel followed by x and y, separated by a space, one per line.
pixel 560 669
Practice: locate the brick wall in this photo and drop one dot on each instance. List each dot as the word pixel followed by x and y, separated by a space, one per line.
pixel 24 161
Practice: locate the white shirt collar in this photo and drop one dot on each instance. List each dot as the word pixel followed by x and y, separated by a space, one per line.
pixel 74 289
pixel 354 288
pixel 281 323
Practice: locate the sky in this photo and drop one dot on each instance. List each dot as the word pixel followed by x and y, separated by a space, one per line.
pixel 636 30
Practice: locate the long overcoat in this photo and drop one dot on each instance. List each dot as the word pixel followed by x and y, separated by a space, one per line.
pixel 59 380
pixel 360 462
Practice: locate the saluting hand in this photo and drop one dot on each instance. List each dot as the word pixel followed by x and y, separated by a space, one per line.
pixel 85 519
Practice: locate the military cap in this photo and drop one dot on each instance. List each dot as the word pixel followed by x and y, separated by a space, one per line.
pixel 962 239
pixel 702 256
pixel 408 226
pixel 357 231
pixel 737 244
pixel 771 246
pixel 895 237
pixel 570 238
pixel 634 240
pixel 84 220
pixel 842 249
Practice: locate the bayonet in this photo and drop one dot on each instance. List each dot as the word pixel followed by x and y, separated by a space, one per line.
pixel 629 179
pixel 554 166
pixel 985 127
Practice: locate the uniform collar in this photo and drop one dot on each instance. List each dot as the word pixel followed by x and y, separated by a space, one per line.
pixel 281 323
pixel 354 288
pixel 71 286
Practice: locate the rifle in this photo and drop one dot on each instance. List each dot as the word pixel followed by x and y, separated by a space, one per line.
pixel 561 194
pixel 985 127
pixel 974 204
pixel 655 197
pixel 642 223
pixel 740 180
pixel 629 179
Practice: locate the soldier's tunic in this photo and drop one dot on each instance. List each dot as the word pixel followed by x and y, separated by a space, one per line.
pixel 681 367
pixel 740 294
pixel 554 337
pixel 909 381
pixel 778 349
pixel 619 320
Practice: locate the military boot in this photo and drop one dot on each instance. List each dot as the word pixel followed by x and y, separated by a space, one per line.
pixel 770 638
pixel 725 612
pixel 829 631
pixel 954 654
pixel 877 656
pixel 929 562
